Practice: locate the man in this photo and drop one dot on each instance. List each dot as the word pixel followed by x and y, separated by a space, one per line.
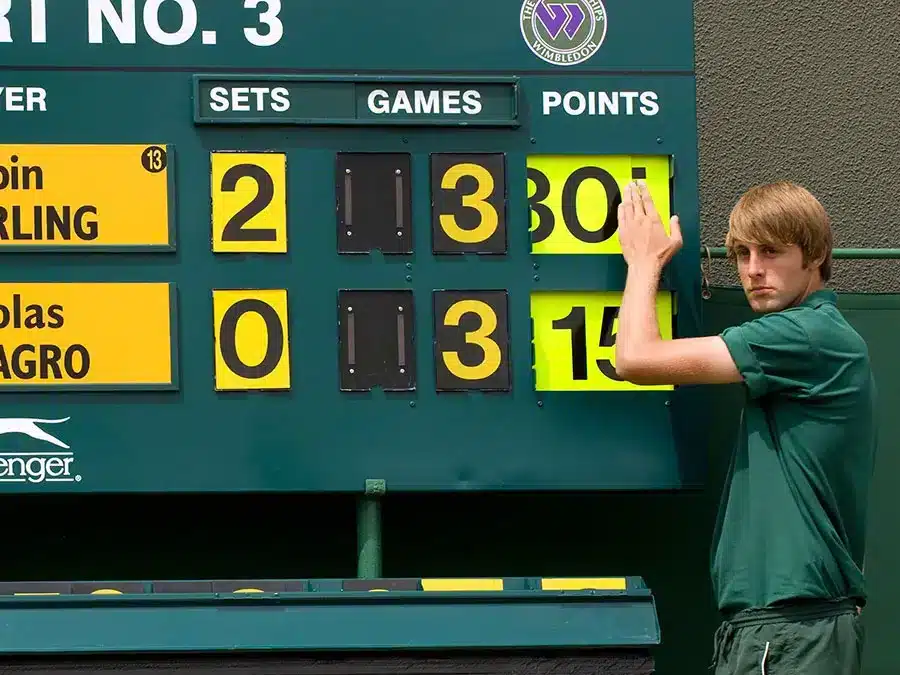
pixel 787 558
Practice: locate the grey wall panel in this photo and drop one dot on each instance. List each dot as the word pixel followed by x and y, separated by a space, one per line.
pixel 808 91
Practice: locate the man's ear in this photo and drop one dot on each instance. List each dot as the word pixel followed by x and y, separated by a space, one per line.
pixel 815 263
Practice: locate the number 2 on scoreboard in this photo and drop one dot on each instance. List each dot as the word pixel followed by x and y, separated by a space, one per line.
pixel 249 202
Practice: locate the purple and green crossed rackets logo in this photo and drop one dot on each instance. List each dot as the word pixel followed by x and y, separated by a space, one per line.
pixel 563 32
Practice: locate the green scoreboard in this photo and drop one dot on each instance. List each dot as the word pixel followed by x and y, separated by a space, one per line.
pixel 288 245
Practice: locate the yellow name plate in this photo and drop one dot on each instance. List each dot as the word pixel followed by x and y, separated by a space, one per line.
pixel 97 197
pixel 87 335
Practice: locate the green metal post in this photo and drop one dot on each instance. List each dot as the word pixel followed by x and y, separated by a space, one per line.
pixel 368 530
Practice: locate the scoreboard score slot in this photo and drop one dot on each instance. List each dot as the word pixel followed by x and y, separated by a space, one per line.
pixel 376 343
pixel 374 203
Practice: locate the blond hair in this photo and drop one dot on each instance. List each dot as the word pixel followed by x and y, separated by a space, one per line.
pixel 782 213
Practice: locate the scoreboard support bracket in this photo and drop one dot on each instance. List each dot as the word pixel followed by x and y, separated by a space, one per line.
pixel 368 530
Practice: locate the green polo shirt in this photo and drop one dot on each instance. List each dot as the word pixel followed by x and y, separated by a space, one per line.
pixel 792 519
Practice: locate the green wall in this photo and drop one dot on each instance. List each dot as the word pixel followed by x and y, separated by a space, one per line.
pixel 75 537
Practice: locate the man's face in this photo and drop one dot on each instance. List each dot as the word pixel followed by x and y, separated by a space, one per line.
pixel 773 275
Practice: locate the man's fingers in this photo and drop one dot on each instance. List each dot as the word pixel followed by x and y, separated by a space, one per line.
pixel 637 196
pixel 675 229
pixel 646 199
pixel 628 202
pixel 637 201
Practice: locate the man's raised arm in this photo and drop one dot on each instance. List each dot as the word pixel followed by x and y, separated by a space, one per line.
pixel 642 356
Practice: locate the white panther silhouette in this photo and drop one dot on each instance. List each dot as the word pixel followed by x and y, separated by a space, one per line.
pixel 29 427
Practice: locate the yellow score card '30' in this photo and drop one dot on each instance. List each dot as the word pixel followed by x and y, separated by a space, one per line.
pixel 574 199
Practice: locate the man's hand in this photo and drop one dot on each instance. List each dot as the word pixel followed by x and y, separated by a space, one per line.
pixel 641 233
pixel 642 356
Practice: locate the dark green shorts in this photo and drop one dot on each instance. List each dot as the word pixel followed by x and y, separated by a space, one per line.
pixel 822 638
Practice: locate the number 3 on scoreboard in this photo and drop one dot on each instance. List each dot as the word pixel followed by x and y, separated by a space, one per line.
pixel 249 202
pixel 471 341
pixel 575 338
pixel 468 212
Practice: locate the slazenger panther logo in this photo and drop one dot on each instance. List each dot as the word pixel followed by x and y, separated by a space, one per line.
pixel 36 467
pixel 29 427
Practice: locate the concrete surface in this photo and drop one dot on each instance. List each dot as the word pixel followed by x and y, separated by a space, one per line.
pixel 807 91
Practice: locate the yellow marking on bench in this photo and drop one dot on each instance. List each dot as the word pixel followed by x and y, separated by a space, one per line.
pixel 462 584
pixel 584 584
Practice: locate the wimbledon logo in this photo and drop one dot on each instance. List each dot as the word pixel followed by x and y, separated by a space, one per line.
pixel 563 33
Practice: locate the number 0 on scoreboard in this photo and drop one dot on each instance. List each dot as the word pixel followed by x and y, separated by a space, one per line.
pixel 252 344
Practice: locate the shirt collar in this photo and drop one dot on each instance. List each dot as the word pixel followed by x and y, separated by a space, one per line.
pixel 818 298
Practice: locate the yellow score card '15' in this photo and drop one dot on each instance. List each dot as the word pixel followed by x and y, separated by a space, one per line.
pixel 575 339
